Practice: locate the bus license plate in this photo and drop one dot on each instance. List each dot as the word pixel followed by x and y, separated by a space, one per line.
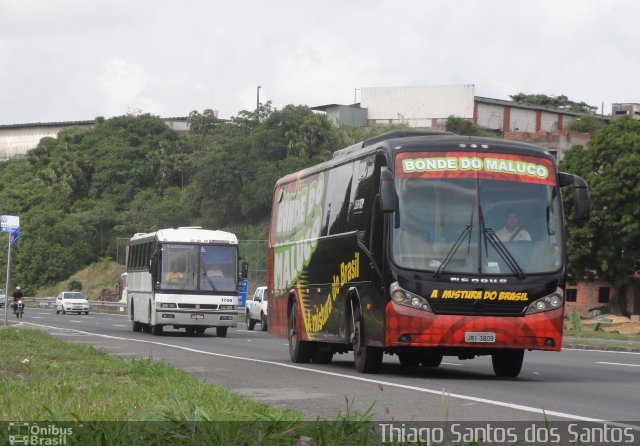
pixel 479 336
pixel 197 316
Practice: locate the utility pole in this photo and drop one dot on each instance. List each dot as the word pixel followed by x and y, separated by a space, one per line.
pixel 258 99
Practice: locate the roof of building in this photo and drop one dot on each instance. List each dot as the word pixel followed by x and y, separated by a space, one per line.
pixel 527 106
pixel 325 107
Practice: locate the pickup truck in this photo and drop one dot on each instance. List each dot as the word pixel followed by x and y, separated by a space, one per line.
pixel 257 309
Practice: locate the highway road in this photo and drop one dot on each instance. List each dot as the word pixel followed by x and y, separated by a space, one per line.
pixel 572 385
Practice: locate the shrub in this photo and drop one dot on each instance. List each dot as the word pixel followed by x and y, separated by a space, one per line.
pixel 74 285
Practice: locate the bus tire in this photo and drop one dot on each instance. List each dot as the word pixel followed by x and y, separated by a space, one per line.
pixel 300 352
pixel 507 363
pixel 367 359
pixel 221 332
pixel 156 330
pixel 263 322
pixel 136 326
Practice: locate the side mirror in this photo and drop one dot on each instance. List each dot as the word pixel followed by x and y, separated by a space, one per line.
pixel 388 197
pixel 153 265
pixel 581 197
pixel 244 270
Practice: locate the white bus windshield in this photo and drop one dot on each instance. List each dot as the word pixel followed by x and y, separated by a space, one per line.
pixel 477 224
pixel 198 267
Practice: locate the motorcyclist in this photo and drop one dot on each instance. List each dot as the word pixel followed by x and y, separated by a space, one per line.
pixel 17 295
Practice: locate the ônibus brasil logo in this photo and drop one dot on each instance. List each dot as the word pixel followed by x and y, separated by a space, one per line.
pixel 34 434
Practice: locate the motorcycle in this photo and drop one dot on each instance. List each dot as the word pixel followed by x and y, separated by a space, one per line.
pixel 18 308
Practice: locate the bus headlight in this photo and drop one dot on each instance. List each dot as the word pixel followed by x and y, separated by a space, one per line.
pixel 546 303
pixel 408 299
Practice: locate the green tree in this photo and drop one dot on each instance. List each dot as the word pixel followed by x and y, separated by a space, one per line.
pixel 553 102
pixel 238 171
pixel 609 242
pixel 586 123
pixel 462 126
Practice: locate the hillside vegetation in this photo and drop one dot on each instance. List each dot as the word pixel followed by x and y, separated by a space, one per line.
pixel 81 195
pixel 98 281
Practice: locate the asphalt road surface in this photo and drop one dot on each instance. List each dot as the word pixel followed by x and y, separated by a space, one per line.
pixel 572 385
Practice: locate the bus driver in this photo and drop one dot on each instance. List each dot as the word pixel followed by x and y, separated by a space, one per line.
pixel 511 231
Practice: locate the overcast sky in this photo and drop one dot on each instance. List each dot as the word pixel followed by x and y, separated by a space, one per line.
pixel 63 60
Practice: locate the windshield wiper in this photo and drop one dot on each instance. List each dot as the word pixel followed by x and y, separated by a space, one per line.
pixel 452 251
pixel 502 250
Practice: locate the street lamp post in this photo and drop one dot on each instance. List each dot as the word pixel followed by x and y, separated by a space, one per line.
pixel 258 99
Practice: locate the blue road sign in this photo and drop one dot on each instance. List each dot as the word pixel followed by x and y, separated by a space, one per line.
pixel 243 285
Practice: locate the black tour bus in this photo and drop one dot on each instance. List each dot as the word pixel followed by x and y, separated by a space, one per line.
pixel 421 245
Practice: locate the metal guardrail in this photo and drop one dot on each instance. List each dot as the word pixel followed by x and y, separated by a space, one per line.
pixel 50 302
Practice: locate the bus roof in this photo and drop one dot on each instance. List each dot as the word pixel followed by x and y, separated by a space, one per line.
pixel 189 235
pixel 417 141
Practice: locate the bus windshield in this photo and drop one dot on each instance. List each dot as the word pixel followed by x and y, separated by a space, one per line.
pixel 477 223
pixel 198 267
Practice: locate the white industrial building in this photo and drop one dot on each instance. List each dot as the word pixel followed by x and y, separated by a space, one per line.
pixel 430 106
pixel 18 139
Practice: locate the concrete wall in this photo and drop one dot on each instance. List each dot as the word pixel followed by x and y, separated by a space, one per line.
pixel 522 120
pixel 490 116
pixel 558 142
pixel 19 139
pixel 420 106
pixel 346 116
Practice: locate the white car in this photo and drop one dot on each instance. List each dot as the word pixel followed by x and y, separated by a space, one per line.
pixel 72 301
pixel 257 309
pixel 3 298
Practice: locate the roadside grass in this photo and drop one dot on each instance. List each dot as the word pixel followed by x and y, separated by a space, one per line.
pixel 43 379
pixel 587 332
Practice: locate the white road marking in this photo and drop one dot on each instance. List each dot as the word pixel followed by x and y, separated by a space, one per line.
pixel 438 392
pixel 453 363
pixel 618 363
pixel 600 351
pixel 119 325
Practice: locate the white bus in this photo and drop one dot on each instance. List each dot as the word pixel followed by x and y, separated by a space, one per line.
pixel 183 278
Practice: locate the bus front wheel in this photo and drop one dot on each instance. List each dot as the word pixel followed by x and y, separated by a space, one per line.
pixel 507 363
pixel 367 359
pixel 221 332
pixel 299 351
